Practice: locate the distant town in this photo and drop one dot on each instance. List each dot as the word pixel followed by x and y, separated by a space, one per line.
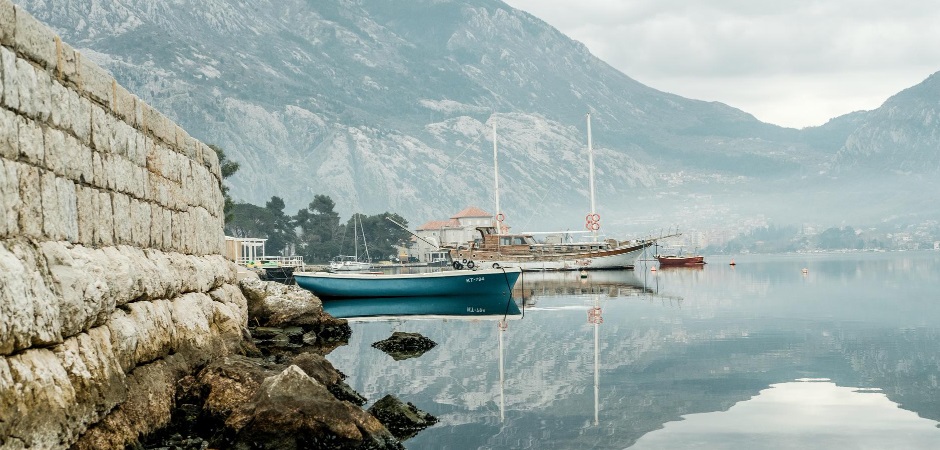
pixel 769 238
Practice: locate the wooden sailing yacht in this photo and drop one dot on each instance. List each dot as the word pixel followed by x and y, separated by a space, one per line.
pixel 498 249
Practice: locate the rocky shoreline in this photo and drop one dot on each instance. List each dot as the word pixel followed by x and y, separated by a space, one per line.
pixel 280 392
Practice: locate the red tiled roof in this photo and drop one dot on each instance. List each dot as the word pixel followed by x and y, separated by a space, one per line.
pixel 439 224
pixel 471 211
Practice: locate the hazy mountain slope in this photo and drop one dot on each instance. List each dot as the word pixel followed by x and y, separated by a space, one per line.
pixel 903 135
pixel 387 105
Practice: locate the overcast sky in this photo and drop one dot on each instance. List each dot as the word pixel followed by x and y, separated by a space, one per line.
pixel 794 63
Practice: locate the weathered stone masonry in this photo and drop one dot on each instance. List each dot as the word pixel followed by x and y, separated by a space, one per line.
pixel 112 283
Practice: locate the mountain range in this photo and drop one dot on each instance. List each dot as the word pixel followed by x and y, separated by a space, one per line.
pixel 390 106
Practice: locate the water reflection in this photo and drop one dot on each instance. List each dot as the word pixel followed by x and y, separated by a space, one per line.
pixel 464 306
pixel 801 414
pixel 673 346
pixel 610 283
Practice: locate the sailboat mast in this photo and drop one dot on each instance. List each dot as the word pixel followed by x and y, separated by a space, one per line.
pixel 355 238
pixel 365 244
pixel 591 170
pixel 496 183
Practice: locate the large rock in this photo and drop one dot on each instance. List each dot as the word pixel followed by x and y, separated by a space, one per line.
pixel 404 420
pixel 401 345
pixel 278 305
pixel 275 309
pixel 323 371
pixel 292 410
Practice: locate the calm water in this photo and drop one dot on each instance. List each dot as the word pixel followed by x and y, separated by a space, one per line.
pixel 755 356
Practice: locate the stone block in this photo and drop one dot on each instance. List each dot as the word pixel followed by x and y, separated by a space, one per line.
pixel 191 315
pixel 57 157
pixel 68 205
pixel 80 117
pixel 31 212
pixel 140 233
pixel 35 40
pixel 9 198
pixel 87 203
pixel 101 129
pixel 96 83
pixel 104 232
pixel 142 182
pixel 109 165
pixel 82 169
pixel 52 220
pixel 156 227
pixel 114 165
pixel 177 239
pixel 169 283
pixel 98 175
pixel 120 135
pixel 9 76
pixel 9 134
pixel 123 106
pixel 232 296
pixel 68 60
pixel 156 332
pixel 211 161
pixel 168 244
pixel 139 108
pixel 94 373
pixel 60 115
pixel 45 399
pixel 121 205
pixel 151 119
pixel 81 293
pixel 192 149
pixel 184 143
pixel 26 87
pixel 7 23
pixel 30 141
pixel 138 152
pixel 42 96
pixel 28 308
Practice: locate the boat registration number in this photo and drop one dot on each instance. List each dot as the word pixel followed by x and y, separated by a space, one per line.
pixel 475 279
pixel 471 309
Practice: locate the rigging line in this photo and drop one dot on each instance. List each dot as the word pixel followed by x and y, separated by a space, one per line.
pixel 509 286
pixel 537 205
pixel 464 151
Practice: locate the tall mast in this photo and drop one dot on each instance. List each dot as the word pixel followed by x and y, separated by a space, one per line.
pixel 355 238
pixel 591 170
pixel 496 183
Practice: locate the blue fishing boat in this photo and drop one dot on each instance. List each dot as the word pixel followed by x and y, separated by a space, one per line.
pixel 376 284
pixel 429 307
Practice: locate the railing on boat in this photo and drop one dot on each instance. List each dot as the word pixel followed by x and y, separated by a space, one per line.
pixel 279 261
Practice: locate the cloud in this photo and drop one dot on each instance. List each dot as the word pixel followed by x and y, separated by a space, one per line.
pixel 789 49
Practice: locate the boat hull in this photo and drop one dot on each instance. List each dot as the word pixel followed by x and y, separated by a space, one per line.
pixel 680 261
pixel 449 283
pixel 616 258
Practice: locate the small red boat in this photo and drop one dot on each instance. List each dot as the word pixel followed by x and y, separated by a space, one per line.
pixel 680 261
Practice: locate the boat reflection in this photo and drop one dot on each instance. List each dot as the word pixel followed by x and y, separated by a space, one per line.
pixel 610 283
pixel 494 307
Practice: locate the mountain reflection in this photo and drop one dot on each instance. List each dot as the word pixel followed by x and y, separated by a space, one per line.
pixel 801 414
pixel 674 345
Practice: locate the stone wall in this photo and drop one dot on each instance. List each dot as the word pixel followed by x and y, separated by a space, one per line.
pixel 112 283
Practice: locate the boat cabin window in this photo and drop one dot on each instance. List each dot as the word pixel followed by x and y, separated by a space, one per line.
pixel 515 240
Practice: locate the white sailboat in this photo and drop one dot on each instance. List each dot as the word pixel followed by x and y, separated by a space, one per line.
pixel 349 263
pixel 523 251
